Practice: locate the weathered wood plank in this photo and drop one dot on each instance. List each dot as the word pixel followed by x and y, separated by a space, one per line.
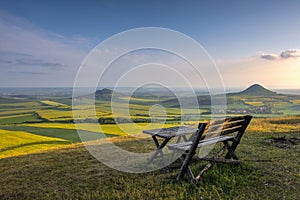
pixel 184 146
pixel 171 132
pixel 219 127
pixel 226 120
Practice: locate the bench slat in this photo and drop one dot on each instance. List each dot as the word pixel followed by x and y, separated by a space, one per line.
pixel 171 132
pixel 184 146
pixel 225 125
pixel 226 120
pixel 222 132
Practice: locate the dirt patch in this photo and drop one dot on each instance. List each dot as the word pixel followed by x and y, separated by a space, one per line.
pixel 285 142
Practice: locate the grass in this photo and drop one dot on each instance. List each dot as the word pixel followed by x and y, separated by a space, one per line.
pixel 266 172
pixel 276 126
pixel 291 109
pixel 27 104
pixel 113 129
pixel 296 101
pixel 14 143
pixel 4 100
pixel 254 103
pixel 54 114
pixel 14 111
pixel 135 99
pixel 54 103
pixel 57 166
pixel 59 110
pixel 65 134
pixel 17 119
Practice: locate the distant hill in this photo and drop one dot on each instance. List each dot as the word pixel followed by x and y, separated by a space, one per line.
pixel 104 91
pixel 104 94
pixel 205 100
pixel 255 90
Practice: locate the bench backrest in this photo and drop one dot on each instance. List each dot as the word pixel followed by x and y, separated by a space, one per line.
pixel 216 128
pixel 227 126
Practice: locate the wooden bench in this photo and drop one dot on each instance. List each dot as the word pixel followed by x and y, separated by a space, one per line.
pixel 167 134
pixel 228 131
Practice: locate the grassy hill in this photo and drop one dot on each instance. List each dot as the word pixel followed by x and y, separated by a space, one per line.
pixel 255 100
pixel 255 90
pixel 42 157
pixel 268 171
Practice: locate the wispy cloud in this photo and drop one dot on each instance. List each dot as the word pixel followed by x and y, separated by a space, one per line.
pixel 27 73
pixel 289 53
pixel 39 62
pixel 27 48
pixel 5 61
pixel 21 61
pixel 271 70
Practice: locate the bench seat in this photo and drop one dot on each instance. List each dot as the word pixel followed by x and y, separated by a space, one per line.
pixel 184 146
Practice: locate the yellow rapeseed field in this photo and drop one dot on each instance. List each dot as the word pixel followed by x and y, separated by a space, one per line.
pixel 114 129
pixel 54 103
pixel 13 143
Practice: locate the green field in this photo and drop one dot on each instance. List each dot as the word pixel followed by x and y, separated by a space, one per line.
pixel 267 172
pixel 42 156
pixel 54 117
pixel 14 143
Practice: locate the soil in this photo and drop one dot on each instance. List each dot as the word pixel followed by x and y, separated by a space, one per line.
pixel 285 142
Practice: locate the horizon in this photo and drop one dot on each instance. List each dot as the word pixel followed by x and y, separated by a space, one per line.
pixel 71 87
pixel 295 91
pixel 179 88
pixel 44 44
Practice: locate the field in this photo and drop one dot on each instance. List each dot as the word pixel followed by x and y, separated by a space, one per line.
pixel 42 155
pixel 267 172
pixel 14 143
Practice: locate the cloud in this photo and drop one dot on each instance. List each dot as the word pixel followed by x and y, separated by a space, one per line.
pixel 4 61
pixel 289 53
pixel 27 48
pixel 269 56
pixel 28 73
pixel 29 40
pixel 17 60
pixel 38 62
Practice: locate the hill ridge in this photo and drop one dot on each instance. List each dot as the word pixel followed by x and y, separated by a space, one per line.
pixel 256 90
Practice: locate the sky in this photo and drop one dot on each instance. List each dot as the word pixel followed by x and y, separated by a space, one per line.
pixel 44 43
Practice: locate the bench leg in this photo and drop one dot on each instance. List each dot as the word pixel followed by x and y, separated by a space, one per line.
pixel 203 171
pixel 209 165
pixel 185 168
pixel 178 141
pixel 159 148
pixel 230 153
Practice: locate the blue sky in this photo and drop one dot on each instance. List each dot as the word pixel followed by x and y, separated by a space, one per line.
pixel 44 42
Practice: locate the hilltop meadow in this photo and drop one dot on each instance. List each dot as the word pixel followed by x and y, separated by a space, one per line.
pixel 42 155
